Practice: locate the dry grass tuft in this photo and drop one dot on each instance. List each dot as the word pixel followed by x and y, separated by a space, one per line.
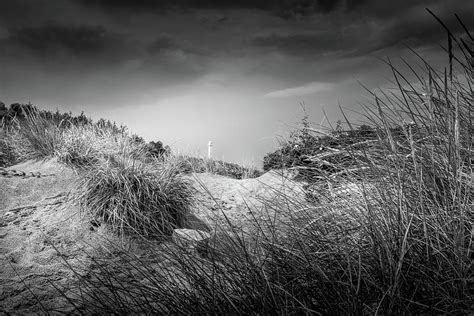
pixel 145 199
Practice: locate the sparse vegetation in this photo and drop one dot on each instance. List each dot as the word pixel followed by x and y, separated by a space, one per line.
pixel 194 164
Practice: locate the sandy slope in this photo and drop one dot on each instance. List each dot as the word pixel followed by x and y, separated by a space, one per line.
pixel 222 199
pixel 37 220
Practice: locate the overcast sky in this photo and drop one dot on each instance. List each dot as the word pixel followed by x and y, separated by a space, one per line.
pixel 189 71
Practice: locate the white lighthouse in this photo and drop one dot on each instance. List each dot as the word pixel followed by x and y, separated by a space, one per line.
pixel 209 149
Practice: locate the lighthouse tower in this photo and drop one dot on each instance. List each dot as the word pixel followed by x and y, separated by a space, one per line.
pixel 209 149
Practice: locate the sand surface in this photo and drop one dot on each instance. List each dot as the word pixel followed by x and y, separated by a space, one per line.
pixel 226 202
pixel 38 221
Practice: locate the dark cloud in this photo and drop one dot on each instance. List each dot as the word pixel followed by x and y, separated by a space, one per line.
pixel 302 44
pixel 51 37
pixel 414 29
pixel 29 13
pixel 177 58
pixel 282 7
pixel 57 40
pixel 357 34
pixel 168 44
pixel 163 43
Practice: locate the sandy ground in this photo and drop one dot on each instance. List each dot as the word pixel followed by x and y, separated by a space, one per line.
pixel 226 202
pixel 37 222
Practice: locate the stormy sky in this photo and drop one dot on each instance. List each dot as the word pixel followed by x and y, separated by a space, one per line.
pixel 189 71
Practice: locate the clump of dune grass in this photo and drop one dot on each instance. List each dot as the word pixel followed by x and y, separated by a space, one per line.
pixel 389 230
pixel 85 145
pixel 143 199
pixel 33 137
pixel 7 155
